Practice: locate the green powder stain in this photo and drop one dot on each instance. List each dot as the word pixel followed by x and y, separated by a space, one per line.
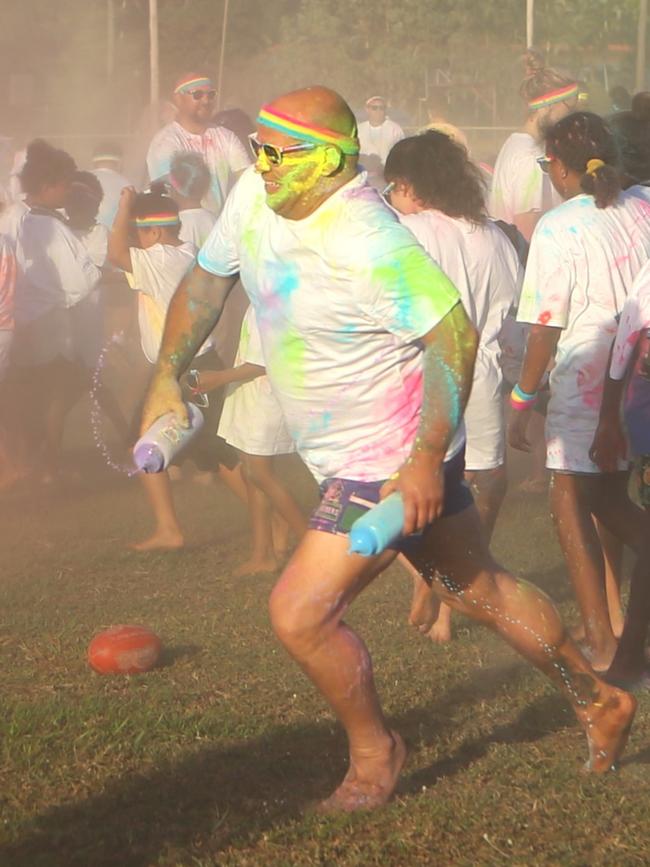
pixel 288 361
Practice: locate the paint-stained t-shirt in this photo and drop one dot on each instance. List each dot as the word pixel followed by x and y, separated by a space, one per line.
pixel 222 151
pixel 582 262
pixel 635 318
pixel 519 186
pixel 341 299
pixel 7 284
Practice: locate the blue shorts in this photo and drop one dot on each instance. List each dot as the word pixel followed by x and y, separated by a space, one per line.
pixel 345 500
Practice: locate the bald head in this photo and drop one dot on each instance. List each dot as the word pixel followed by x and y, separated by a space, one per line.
pixel 319 106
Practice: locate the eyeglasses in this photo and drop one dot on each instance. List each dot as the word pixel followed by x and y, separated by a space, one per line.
pixel 203 94
pixel 388 189
pixel 275 154
pixel 545 163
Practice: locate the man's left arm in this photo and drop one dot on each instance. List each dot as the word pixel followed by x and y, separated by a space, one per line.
pixel 448 362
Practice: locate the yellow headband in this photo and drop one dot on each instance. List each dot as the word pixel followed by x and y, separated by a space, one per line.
pixel 594 165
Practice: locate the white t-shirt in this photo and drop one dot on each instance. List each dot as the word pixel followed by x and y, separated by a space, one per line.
pixel 341 299
pixel 379 139
pixel 112 185
pixel 635 317
pixel 7 283
pixel 483 265
pixel 156 273
pixel 252 419
pixel 54 268
pixel 196 225
pixel 11 218
pixel 582 262
pixel 95 240
pixel 518 184
pixel 222 151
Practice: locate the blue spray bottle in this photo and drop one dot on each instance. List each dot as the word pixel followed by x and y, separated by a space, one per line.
pixel 382 525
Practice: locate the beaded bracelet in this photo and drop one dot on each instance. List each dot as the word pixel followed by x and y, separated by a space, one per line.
pixel 521 400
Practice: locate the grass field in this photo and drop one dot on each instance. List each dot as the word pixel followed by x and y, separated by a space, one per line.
pixel 215 757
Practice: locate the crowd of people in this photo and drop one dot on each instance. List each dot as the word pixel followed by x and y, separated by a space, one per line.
pixel 410 312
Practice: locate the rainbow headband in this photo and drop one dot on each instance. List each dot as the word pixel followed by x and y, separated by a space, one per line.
pixel 560 95
pixel 191 84
pixel 164 218
pixel 306 131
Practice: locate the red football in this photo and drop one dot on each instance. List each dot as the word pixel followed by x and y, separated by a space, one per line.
pixel 124 650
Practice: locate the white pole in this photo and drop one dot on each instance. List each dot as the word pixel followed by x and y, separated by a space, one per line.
pixel 154 86
pixel 224 30
pixel 530 23
pixel 110 39
pixel 641 44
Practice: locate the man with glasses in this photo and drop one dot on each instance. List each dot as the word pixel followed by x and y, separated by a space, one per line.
pixel 194 98
pixel 379 133
pixel 371 355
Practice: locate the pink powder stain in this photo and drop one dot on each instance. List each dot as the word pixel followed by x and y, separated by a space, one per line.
pixel 590 385
pixel 400 405
pixel 544 317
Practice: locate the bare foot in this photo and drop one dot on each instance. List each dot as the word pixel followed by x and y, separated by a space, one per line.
pixel 440 632
pixel 256 565
pixel 425 606
pixel 607 724
pixel 369 783
pixel 175 473
pixel 161 540
pixel 204 478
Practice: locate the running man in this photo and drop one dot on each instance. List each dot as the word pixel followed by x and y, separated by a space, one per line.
pixel 371 355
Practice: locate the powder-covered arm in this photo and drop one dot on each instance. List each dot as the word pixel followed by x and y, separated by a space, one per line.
pixel 192 314
pixel 448 363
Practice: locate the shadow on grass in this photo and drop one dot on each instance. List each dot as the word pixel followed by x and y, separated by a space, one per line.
pixel 229 795
pixel 172 653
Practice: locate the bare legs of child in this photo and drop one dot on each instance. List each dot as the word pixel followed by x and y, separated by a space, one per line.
pixel 613 560
pixel 273 513
pixel 168 534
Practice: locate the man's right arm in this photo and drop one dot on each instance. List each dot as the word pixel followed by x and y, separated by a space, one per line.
pixel 192 314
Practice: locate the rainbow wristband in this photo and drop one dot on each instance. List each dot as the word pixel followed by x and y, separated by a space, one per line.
pixel 521 400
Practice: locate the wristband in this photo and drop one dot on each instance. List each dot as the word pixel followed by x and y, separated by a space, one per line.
pixel 521 400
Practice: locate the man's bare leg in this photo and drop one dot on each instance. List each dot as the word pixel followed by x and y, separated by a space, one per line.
pixel 456 558
pixel 307 605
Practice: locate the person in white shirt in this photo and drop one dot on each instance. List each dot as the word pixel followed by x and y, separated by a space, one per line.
pixel 252 422
pixel 370 353
pixel 225 156
pixel 584 257
pixel 107 166
pixel 379 133
pixel 10 461
pixel 189 181
pixel 54 273
pixel 438 192
pixel 155 268
pixel 520 192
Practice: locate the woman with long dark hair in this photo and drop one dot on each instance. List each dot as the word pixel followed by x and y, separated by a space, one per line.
pixel 439 194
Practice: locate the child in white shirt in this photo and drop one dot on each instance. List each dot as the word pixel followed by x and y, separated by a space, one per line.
pixel 155 268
